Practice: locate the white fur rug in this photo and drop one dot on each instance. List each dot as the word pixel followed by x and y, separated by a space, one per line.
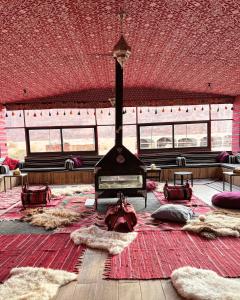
pixel 94 237
pixel 29 283
pixel 216 223
pixel 71 190
pixel 50 218
pixel 198 284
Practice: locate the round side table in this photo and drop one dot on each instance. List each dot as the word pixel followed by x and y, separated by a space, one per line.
pixel 182 174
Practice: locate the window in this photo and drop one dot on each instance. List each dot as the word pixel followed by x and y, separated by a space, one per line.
pixel 130 137
pixel 106 138
pixel 78 139
pixel 166 114
pixel 62 139
pixel 16 143
pixel 190 135
pixel 156 137
pixel 65 117
pixel 221 132
pixel 184 135
pixel 45 140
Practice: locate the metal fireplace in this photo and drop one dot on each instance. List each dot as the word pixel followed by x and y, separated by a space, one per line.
pixel 119 170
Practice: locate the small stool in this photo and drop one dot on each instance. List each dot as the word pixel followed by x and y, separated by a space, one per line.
pixel 182 174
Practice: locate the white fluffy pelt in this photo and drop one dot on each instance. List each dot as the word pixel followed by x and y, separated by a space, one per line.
pixel 50 218
pixel 29 283
pixel 71 190
pixel 216 223
pixel 198 284
pixel 94 237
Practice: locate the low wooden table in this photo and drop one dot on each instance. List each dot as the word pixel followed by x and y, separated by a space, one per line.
pixel 154 173
pixel 23 176
pixel 182 174
pixel 231 175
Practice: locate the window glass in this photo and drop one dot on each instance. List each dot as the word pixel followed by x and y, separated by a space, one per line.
pixel 173 113
pixel 78 139
pixel 221 135
pixel 106 138
pixel 190 135
pixel 16 143
pixel 130 137
pixel 221 111
pixel 129 115
pixel 105 116
pixel 14 118
pixel 156 137
pixel 45 140
pixel 56 117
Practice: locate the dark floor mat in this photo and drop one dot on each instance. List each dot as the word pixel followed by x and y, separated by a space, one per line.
pixel 18 227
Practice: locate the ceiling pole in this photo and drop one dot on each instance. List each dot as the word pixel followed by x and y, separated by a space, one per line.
pixel 118 104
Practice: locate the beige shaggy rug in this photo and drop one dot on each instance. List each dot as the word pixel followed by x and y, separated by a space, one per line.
pixel 29 283
pixel 216 223
pixel 94 237
pixel 199 284
pixel 71 190
pixel 50 218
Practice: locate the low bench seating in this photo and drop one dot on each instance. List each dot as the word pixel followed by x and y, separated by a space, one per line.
pixel 202 164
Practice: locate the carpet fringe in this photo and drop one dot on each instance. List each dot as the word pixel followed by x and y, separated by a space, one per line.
pixel 107 267
pixel 79 261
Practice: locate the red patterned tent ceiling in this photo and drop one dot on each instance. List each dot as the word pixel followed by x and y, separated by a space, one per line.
pixel 57 47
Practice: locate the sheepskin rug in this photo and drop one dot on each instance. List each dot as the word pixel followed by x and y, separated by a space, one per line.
pixel 50 218
pixel 216 223
pixel 94 237
pixel 199 284
pixel 29 283
pixel 71 190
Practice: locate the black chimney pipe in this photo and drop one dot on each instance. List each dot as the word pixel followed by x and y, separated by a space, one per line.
pixel 118 104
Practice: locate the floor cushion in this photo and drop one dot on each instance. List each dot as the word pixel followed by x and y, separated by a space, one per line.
pixel 227 200
pixel 173 213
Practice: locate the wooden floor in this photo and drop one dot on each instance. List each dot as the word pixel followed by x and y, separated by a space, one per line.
pixel 91 286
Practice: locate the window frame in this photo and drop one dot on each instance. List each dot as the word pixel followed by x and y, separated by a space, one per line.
pixel 174 149
pixel 92 152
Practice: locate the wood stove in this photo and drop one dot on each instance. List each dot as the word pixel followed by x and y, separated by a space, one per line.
pixel 119 170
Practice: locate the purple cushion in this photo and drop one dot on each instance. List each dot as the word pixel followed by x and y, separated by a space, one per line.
pixel 77 162
pixel 227 200
pixel 222 157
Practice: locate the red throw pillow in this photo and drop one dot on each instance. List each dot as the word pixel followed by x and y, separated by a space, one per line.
pixel 151 185
pixel 12 163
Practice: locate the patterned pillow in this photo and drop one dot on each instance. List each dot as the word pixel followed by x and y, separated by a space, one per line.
pixel 4 169
pixel 181 161
pixel 232 159
pixel 77 162
pixel 237 158
pixel 222 157
pixel 69 164
pixel 11 162
pixel 173 213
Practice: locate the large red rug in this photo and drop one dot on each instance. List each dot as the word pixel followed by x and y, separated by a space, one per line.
pixel 155 254
pixel 74 202
pixel 10 198
pixel 54 251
